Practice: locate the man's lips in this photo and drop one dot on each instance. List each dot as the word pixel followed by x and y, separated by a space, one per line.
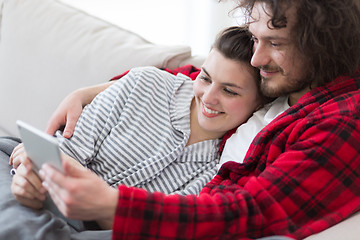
pixel 268 73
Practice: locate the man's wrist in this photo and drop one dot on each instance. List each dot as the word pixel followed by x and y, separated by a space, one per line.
pixel 109 212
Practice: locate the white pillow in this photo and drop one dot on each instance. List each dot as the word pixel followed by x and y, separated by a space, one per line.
pixel 48 49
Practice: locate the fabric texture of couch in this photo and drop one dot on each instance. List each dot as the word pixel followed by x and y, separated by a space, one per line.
pixel 48 49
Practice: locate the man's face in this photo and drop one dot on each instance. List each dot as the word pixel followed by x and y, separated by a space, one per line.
pixel 281 65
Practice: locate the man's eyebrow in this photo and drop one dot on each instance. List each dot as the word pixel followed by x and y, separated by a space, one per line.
pixel 269 37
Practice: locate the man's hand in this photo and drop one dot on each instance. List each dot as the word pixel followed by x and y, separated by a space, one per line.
pixel 80 193
pixel 69 110
pixel 66 114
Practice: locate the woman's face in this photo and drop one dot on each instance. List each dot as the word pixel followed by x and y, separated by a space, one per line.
pixel 226 93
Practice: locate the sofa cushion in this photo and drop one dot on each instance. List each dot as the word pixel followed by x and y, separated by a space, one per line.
pixel 48 49
pixel 347 229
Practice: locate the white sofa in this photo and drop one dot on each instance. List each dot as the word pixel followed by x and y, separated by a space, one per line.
pixel 48 49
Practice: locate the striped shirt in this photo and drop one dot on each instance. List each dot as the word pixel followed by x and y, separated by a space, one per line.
pixel 135 133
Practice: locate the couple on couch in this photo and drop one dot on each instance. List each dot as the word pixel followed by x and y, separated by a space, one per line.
pixel 294 168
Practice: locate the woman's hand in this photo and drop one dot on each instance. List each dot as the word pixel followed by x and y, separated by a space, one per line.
pixel 26 185
pixel 80 193
pixel 17 154
pixel 69 110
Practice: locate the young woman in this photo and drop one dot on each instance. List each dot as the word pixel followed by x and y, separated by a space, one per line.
pixel 161 132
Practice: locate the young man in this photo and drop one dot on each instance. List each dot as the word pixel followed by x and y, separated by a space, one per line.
pixel 297 166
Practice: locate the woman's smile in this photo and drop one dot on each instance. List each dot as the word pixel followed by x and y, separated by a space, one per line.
pixel 208 112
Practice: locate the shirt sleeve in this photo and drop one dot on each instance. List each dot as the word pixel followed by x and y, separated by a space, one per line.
pixel 97 120
pixel 294 194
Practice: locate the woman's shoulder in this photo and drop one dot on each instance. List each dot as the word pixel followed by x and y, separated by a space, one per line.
pixel 149 70
pixel 158 76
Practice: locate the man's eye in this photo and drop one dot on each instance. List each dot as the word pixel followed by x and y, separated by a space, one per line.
pixel 253 38
pixel 275 44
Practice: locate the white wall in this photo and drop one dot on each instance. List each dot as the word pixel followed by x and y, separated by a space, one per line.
pixel 190 22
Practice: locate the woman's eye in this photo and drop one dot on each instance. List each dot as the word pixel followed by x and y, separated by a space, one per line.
pixel 229 92
pixel 205 79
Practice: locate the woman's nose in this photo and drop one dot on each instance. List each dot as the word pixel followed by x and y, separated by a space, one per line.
pixel 210 95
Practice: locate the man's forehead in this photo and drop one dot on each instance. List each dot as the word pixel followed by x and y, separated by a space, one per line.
pixel 262 12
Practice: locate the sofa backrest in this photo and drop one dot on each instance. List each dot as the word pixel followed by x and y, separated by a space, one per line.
pixel 48 49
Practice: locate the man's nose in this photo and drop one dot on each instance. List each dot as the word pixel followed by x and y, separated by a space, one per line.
pixel 260 57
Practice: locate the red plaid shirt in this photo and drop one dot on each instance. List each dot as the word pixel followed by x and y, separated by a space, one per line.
pixel 188 70
pixel 301 175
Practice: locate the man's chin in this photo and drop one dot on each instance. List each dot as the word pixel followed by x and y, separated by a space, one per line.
pixel 278 86
pixel 272 94
pixel 270 91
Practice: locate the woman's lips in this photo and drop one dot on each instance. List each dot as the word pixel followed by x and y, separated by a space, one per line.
pixel 210 113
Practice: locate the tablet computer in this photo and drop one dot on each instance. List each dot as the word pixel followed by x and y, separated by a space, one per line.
pixel 43 148
pixel 39 146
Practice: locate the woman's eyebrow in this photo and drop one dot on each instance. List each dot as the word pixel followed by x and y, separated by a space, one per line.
pixel 206 72
pixel 232 85
pixel 225 83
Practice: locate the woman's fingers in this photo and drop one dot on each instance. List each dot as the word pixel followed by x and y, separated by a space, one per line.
pixel 32 203
pixel 26 184
pixel 14 157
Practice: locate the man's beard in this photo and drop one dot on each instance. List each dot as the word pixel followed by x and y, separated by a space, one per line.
pixel 291 85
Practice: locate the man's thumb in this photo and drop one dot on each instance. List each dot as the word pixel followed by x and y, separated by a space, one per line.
pixel 69 128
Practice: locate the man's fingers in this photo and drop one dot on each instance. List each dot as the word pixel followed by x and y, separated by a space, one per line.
pixel 56 121
pixel 69 127
pixel 53 179
pixel 52 127
pixel 53 182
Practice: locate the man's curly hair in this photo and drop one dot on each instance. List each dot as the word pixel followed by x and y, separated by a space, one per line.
pixel 326 32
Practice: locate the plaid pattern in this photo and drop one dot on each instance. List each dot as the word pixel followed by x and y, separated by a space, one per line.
pixel 188 70
pixel 300 176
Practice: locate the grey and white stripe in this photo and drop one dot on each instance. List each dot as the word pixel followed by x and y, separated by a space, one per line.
pixel 135 133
